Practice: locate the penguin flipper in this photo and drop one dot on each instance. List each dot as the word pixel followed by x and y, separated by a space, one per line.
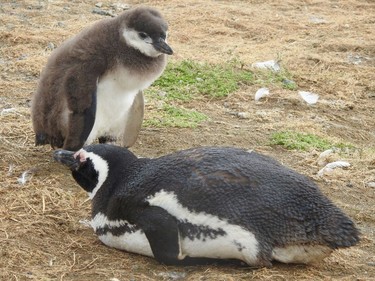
pixel 82 104
pixel 134 121
pixel 161 231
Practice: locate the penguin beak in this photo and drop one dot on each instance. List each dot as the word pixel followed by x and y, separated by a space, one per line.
pixel 162 46
pixel 66 157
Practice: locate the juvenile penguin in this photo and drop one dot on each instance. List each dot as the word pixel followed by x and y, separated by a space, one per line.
pixel 92 84
pixel 207 203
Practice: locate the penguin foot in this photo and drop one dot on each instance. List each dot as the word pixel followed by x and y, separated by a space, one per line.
pixel 41 139
pixel 107 139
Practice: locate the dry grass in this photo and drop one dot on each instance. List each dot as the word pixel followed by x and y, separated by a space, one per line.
pixel 42 232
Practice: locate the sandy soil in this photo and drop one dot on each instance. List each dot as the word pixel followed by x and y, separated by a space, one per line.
pixel 328 47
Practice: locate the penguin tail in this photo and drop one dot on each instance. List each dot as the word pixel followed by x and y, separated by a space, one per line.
pixel 340 231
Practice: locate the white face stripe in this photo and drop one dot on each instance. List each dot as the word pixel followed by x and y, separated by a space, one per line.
pixel 226 246
pixel 100 165
pixel 143 45
pixel 134 242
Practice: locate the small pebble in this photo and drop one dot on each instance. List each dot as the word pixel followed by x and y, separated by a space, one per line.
pixel 317 20
pixel 333 165
pixel 162 94
pixel 325 155
pixel 50 46
pixel 288 82
pixel 173 275
pixel 243 115
pixel 121 6
pixel 99 11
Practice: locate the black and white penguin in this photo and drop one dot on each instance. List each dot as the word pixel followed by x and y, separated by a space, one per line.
pixel 92 84
pixel 207 203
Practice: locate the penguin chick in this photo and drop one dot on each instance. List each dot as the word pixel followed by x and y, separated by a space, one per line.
pixel 207 203
pixel 92 84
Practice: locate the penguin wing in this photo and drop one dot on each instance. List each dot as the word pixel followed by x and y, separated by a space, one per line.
pixel 161 230
pixel 162 233
pixel 80 91
pixel 134 121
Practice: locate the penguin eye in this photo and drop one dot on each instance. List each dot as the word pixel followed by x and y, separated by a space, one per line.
pixel 143 35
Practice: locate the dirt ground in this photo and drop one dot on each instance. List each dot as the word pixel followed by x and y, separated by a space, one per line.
pixel 328 47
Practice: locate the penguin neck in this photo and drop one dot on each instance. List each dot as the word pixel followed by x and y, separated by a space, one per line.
pixel 118 182
pixel 136 61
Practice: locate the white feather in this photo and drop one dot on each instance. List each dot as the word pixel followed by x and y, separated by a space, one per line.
pixel 26 176
pixel 8 110
pixel 271 64
pixel 261 93
pixel 310 98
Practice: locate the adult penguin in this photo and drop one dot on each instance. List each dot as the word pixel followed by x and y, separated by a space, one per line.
pixel 207 203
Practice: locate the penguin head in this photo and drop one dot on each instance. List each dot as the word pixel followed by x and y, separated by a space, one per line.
pixel 89 169
pixel 146 30
pixel 93 165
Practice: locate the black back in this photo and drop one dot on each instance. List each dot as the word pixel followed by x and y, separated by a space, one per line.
pixel 249 189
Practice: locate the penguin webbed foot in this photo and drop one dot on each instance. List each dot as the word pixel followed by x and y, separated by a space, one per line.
pixel 107 139
pixel 41 139
pixel 57 142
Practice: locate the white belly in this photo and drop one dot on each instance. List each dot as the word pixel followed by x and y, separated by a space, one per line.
pixel 115 94
pixel 229 242
pixel 301 253
pixel 132 241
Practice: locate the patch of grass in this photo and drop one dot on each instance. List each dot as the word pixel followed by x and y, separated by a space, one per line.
pixel 304 141
pixel 171 116
pixel 282 78
pixel 187 79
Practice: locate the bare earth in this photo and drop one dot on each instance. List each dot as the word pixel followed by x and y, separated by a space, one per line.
pixel 328 46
